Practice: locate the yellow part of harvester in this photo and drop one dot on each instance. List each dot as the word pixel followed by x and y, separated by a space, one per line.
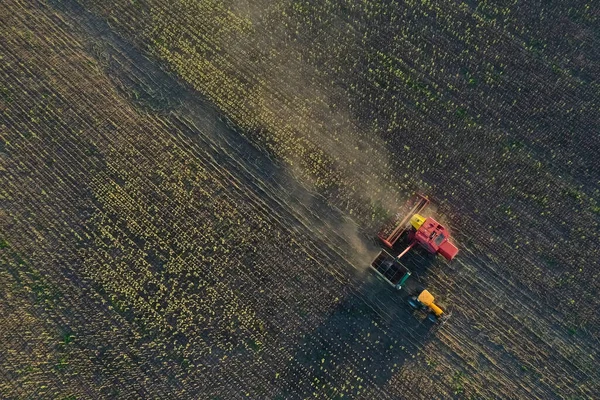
pixel 427 299
pixel 417 220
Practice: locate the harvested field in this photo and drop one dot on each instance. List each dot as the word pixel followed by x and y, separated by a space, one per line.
pixel 190 191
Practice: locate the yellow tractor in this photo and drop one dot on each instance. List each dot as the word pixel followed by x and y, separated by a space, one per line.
pixel 425 301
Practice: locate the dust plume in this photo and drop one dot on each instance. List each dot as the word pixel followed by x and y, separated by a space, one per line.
pixel 259 72
pixel 308 122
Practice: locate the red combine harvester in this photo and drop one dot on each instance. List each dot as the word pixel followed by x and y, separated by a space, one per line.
pixel 426 232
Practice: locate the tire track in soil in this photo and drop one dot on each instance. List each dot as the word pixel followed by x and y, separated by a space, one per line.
pixel 488 277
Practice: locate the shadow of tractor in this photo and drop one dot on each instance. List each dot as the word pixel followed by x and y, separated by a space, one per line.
pixel 363 342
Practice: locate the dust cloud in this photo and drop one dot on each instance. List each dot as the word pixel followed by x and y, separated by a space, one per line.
pixel 311 119
pixel 306 112
pixel 302 119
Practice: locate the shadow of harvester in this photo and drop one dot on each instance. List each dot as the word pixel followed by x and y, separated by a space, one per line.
pixel 363 342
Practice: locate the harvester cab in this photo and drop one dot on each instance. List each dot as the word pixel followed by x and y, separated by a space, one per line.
pixel 425 302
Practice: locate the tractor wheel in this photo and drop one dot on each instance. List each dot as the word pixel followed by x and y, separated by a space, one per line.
pixel 413 303
pixel 432 318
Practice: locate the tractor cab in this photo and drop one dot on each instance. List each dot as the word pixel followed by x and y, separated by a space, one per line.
pixel 425 302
